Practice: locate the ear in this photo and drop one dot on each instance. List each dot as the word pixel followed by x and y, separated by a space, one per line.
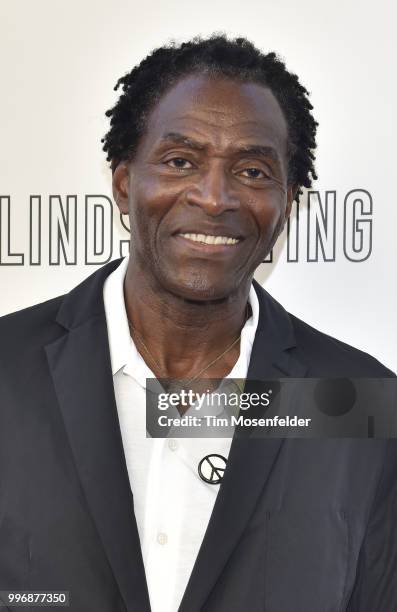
pixel 120 186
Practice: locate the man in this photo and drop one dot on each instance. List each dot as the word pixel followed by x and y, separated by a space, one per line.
pixel 210 142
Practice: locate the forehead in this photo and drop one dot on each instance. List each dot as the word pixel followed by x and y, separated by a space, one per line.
pixel 219 110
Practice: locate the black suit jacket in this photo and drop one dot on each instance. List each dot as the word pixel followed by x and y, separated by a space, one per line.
pixel 298 525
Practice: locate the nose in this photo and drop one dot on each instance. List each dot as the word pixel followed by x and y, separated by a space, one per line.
pixel 213 191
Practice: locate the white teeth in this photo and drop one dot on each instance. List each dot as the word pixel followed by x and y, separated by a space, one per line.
pixel 210 239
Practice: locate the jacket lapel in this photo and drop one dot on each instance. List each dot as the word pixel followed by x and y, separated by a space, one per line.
pixel 80 367
pixel 250 460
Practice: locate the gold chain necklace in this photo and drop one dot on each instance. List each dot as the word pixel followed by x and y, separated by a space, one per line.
pixel 203 369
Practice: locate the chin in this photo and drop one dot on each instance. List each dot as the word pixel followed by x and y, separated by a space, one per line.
pixel 199 288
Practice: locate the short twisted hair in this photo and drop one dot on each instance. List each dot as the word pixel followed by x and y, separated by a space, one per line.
pixel 217 55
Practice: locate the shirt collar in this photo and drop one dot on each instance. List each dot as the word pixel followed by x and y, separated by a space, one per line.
pixel 120 341
pixel 123 352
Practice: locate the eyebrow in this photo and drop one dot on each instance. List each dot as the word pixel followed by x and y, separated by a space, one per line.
pixel 177 138
pixel 254 149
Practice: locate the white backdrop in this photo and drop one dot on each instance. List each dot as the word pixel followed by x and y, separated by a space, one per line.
pixel 59 62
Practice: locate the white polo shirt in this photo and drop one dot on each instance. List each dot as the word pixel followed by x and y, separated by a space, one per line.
pixel 172 504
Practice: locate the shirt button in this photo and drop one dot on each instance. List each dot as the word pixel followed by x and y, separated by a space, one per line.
pixel 172 444
pixel 162 538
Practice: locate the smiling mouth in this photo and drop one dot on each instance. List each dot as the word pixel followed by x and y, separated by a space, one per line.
pixel 210 239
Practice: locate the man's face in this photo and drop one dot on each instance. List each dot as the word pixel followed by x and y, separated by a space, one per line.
pixel 207 191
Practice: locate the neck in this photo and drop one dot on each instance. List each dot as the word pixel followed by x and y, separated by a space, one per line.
pixel 183 336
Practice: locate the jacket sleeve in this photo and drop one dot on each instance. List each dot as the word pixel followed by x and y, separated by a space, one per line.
pixel 375 587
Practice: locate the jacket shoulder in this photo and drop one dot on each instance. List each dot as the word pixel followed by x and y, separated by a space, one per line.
pixel 32 327
pixel 28 327
pixel 320 350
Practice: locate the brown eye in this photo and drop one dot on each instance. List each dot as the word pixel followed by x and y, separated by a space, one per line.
pixel 253 173
pixel 179 163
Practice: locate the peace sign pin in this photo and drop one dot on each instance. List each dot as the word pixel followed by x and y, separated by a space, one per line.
pixel 211 468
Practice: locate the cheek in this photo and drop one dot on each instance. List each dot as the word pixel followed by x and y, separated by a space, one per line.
pixel 153 196
pixel 269 216
pixel 149 202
